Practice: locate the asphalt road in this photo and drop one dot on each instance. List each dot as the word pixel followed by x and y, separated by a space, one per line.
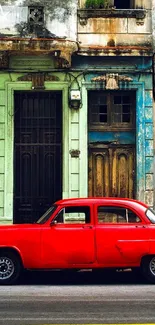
pixel 82 298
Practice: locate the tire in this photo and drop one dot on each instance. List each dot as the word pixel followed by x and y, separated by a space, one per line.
pixel 148 268
pixel 10 267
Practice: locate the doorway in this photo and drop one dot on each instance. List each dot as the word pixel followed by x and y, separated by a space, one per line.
pixel 37 153
pixel 111 146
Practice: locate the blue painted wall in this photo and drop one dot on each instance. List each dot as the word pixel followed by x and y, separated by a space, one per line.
pixel 140 70
pixel 118 137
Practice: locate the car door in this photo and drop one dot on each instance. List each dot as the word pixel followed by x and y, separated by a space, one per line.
pixel 69 239
pixel 122 236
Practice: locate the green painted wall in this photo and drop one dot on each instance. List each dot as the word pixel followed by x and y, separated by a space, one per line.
pixel 74 185
pixel 3 78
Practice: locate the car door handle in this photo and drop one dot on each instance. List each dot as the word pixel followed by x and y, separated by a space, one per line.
pixel 87 227
pixel 141 226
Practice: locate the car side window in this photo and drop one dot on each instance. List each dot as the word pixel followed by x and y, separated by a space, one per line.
pixel 111 214
pixel 73 215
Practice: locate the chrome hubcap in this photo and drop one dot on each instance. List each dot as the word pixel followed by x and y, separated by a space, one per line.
pixel 6 268
pixel 152 266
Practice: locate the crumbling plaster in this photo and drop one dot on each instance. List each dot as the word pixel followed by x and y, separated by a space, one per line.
pixel 60 16
pixel 153 22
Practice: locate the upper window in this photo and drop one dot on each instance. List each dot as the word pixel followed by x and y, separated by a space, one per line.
pixel 122 4
pixel 119 4
pixel 112 214
pixel 73 215
pixel 35 17
pixel 111 109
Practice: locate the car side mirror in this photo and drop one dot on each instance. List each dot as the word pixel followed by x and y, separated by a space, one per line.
pixel 53 222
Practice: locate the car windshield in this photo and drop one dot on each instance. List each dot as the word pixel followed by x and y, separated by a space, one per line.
pixel 151 215
pixel 47 214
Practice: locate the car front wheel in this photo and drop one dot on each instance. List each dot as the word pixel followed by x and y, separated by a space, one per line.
pixel 148 268
pixel 10 267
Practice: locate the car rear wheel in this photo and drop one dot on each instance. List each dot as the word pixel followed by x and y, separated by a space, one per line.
pixel 10 267
pixel 148 268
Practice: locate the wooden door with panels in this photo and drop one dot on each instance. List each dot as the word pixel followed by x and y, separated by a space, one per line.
pixel 111 171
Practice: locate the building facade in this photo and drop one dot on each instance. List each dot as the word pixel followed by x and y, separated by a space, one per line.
pixel 76 108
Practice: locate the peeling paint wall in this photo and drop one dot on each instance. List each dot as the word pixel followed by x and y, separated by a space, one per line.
pixel 2 143
pixel 153 22
pixel 76 138
pixel 153 35
pixel 60 16
pixel 60 20
pixel 113 30
pixel 142 85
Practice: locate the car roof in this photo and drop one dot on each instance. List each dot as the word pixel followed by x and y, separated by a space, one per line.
pixel 84 200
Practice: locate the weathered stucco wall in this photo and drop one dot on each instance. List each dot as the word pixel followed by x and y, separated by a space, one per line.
pixel 74 182
pixel 116 27
pixel 142 85
pixel 153 22
pixel 116 32
pixel 60 17
pixel 75 126
pixel 153 42
pixel 3 78
pixel 60 20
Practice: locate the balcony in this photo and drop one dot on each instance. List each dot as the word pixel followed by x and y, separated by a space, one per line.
pixel 85 14
pixel 114 31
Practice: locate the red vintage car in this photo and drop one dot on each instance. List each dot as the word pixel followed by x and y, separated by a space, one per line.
pixel 82 233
